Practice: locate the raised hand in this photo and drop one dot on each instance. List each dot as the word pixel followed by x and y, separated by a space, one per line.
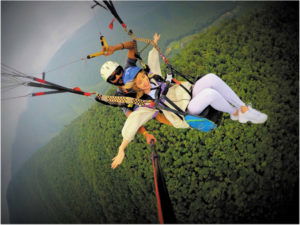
pixel 156 38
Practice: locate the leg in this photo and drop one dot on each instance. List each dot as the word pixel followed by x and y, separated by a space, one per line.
pixel 208 97
pixel 213 81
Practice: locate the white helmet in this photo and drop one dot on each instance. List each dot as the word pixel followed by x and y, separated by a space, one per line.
pixel 107 69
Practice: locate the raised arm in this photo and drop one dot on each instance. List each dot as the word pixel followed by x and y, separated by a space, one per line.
pixel 153 57
pixel 130 45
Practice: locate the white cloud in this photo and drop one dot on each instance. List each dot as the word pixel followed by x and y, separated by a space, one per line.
pixel 31 33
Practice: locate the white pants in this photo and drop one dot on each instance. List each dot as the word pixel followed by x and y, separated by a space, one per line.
pixel 212 90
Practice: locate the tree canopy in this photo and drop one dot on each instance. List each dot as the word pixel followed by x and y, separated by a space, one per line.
pixel 238 173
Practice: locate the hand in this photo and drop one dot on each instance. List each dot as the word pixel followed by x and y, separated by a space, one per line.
pixel 118 159
pixel 156 38
pixel 109 51
pixel 149 138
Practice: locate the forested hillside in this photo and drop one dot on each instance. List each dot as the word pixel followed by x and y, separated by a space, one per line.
pixel 50 119
pixel 238 173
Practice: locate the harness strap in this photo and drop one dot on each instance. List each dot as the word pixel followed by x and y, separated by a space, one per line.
pixel 163 106
pixel 181 85
pixel 118 100
pixel 160 105
pixel 180 74
pixel 186 90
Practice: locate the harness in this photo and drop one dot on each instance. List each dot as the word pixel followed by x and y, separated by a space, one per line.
pixel 159 100
pixel 208 113
pixel 161 94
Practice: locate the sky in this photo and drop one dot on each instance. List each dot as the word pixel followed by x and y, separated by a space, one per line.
pixel 31 33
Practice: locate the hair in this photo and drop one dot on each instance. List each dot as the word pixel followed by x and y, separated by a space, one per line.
pixel 131 85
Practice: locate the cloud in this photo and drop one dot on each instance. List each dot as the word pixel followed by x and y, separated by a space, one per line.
pixel 31 33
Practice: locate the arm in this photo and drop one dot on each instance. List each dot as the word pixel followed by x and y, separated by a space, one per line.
pixel 120 156
pixel 142 130
pixel 153 57
pixel 130 45
pixel 134 121
pixel 118 159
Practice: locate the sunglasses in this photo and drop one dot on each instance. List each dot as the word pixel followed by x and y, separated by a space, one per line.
pixel 115 78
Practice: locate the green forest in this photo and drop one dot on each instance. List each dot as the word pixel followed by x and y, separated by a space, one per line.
pixel 237 173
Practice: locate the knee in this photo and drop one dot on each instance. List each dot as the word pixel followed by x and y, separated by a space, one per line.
pixel 193 107
pixel 207 81
pixel 211 76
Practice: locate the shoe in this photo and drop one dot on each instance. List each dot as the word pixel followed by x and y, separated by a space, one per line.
pixel 252 115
